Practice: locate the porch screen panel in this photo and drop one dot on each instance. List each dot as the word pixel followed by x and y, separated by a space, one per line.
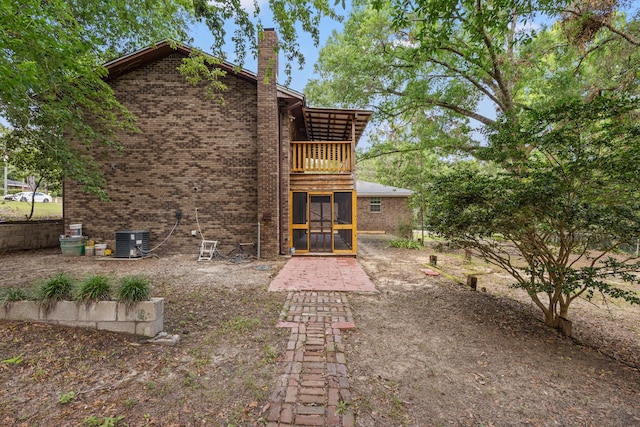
pixel 299 208
pixel 343 209
pixel 345 240
pixel 343 221
pixel 320 223
pixel 301 239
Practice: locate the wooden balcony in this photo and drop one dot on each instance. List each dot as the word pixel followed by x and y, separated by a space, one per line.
pixel 335 157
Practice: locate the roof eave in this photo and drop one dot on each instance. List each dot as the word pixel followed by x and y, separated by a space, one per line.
pixel 335 124
pixel 131 61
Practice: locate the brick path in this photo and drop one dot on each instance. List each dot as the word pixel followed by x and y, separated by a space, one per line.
pixel 314 388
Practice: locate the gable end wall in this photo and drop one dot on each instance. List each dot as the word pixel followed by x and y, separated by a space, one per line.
pixel 191 153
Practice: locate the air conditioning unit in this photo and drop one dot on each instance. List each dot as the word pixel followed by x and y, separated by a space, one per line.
pixel 132 243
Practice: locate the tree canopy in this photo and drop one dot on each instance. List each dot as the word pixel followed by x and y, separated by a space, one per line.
pixel 470 61
pixel 531 108
pixel 53 93
pixel 552 218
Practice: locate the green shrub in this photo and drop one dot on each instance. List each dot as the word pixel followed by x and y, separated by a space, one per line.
pixel 133 289
pixel 405 230
pixel 57 288
pixel 404 243
pixel 14 294
pixel 94 288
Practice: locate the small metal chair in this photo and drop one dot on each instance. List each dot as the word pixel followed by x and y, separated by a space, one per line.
pixel 207 250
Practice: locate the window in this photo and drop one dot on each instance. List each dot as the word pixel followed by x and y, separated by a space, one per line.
pixel 375 204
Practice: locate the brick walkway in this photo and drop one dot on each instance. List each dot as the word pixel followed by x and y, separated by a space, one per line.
pixel 314 388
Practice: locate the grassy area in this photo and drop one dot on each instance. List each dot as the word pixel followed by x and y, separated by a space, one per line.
pixel 19 211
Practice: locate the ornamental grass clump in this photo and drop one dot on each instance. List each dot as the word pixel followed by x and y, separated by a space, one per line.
pixel 10 295
pixel 93 289
pixel 405 244
pixel 133 289
pixel 55 289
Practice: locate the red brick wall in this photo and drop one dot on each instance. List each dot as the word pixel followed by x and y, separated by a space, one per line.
pixel 191 153
pixel 394 211
pixel 269 173
pixel 285 170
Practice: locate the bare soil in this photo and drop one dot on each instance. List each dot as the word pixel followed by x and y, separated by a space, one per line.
pixel 426 351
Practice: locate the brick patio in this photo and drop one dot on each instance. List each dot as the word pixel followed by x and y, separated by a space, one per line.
pixel 322 274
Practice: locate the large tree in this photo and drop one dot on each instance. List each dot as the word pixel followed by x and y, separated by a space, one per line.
pixel 52 90
pixel 463 63
pixel 543 92
pixel 553 217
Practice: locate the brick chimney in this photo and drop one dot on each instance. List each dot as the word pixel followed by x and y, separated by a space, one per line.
pixel 268 144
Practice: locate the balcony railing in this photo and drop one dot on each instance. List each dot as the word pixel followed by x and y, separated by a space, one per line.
pixel 321 157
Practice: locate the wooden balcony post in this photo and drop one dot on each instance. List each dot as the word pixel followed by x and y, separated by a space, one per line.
pixel 353 144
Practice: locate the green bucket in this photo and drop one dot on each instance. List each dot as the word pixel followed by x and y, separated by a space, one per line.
pixel 72 246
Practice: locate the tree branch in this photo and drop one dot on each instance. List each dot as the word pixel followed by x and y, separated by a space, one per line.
pixel 628 37
pixel 497 72
pixel 468 78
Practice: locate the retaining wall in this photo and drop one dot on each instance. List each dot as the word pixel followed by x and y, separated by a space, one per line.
pixel 145 318
pixel 27 235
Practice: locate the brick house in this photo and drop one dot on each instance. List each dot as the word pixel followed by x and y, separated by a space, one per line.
pixel 263 157
pixel 382 208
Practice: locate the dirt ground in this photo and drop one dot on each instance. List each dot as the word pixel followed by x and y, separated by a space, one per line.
pixel 430 352
pixel 426 350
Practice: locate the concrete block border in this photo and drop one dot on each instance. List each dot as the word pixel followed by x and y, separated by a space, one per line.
pixel 145 318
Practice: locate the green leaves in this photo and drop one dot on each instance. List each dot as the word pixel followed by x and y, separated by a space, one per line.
pixel 56 288
pixel 13 360
pixel 531 131
pixel 569 186
pixel 53 95
pixel 200 67
pixel 94 288
pixel 133 289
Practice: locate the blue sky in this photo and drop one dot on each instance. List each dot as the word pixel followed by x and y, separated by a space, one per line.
pixel 299 78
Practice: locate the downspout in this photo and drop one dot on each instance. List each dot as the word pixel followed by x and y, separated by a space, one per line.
pixel 354 231
pixel 280 174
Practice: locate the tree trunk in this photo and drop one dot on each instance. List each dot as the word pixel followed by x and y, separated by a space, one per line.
pixel 557 318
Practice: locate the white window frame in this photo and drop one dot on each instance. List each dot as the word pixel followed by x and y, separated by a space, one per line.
pixel 375 202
